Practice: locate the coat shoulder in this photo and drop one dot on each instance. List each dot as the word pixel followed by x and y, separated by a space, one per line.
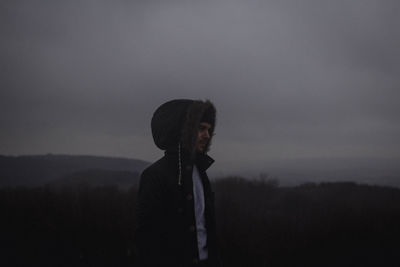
pixel 158 172
pixel 156 168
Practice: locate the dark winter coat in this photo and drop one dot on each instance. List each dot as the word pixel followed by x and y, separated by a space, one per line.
pixel 166 227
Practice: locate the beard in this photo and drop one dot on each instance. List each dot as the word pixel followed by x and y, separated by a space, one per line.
pixel 202 145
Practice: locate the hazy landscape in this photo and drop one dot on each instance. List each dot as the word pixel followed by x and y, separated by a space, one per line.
pixel 81 213
pixel 54 169
pixel 306 143
pixel 51 169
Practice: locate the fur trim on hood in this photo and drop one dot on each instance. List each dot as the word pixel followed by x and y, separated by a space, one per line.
pixel 177 122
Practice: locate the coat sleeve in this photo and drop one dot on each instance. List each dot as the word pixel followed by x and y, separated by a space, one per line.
pixel 149 217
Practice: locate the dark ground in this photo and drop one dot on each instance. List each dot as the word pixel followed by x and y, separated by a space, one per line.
pixel 259 224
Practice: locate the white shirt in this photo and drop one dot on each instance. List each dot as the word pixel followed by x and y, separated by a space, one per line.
pixel 199 207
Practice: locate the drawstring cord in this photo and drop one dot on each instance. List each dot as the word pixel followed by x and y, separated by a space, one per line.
pixel 179 165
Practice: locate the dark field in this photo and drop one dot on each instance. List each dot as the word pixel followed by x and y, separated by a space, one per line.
pixel 260 224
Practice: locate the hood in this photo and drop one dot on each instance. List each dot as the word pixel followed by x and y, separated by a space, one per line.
pixel 177 121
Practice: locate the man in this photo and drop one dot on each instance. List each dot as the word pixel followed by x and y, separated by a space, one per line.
pixel 175 208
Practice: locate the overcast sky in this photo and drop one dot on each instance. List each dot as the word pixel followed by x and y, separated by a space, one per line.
pixel 290 79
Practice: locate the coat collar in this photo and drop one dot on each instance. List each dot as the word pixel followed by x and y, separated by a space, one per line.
pixel 201 160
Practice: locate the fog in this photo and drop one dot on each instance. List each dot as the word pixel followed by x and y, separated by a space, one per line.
pixel 292 81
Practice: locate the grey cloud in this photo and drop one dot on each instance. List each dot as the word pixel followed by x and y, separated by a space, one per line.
pixel 283 74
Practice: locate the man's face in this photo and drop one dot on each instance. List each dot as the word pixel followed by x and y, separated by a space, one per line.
pixel 203 136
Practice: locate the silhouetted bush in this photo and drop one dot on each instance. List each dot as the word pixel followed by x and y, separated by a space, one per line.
pixel 328 224
pixel 259 224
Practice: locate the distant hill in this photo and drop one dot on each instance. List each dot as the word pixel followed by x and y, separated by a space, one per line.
pixel 38 170
pixel 95 178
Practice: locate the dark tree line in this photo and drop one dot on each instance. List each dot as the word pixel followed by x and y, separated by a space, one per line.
pixel 330 224
pixel 259 224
